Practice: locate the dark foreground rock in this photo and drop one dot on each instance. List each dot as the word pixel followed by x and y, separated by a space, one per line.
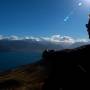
pixel 68 69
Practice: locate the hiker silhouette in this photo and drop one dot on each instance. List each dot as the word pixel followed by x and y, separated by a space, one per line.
pixel 88 27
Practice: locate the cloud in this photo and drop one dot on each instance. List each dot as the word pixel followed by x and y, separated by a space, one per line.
pixel 0 37
pixel 30 43
pixel 58 38
pixel 13 37
pixel 54 39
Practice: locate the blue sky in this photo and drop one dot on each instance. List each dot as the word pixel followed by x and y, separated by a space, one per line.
pixel 43 18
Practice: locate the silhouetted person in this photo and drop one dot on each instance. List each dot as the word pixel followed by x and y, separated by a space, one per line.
pixel 88 27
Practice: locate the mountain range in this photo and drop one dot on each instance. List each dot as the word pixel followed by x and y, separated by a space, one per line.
pixel 30 45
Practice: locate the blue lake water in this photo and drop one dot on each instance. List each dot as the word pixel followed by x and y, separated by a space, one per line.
pixel 9 60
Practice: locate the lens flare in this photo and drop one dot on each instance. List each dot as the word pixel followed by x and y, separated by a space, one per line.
pixel 80 4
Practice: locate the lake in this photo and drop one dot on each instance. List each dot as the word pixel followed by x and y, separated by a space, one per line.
pixel 9 60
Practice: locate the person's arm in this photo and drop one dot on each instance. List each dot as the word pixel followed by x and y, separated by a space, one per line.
pixel 86 25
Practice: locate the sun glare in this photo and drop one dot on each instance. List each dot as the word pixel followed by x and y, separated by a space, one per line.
pixel 86 2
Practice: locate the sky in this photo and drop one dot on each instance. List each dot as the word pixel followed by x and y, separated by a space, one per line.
pixel 43 18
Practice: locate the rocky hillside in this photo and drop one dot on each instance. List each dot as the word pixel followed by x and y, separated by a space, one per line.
pixel 28 77
pixel 56 70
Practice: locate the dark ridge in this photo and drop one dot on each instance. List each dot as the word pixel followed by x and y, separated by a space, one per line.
pixel 67 68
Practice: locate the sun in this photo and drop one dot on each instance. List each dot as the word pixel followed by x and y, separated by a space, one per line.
pixel 86 2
